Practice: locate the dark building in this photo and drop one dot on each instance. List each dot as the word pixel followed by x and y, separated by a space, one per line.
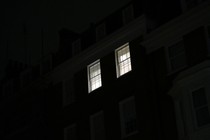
pixel 141 73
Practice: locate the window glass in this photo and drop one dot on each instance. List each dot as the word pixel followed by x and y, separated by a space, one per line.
pixel 128 117
pixel 123 62
pixel 97 126
pixel 200 106
pixel 177 56
pixel 94 76
pixel 70 132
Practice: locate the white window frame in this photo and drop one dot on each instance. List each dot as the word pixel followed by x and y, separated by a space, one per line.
pixel 90 86
pixel 117 57
pixel 92 130
pixel 123 127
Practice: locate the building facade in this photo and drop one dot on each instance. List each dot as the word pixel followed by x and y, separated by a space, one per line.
pixel 141 73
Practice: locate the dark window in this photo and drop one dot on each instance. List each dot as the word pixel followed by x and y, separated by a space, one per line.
pixel 130 125
pixel 128 117
pixel 202 116
pixel 97 126
pixel 199 98
pixel 200 106
pixel 70 132
pixel 177 56
pixel 191 3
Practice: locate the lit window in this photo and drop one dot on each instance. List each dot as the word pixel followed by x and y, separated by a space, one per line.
pixel 123 60
pixel 94 76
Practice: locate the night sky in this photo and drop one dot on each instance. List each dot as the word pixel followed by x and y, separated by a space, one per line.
pixel 51 15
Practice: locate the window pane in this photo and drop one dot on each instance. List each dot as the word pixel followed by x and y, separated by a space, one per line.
pixel 123 60
pixel 94 76
pixel 199 98
pixel 200 105
pixel 128 116
pixel 203 116
pixel 97 126
pixel 130 125
pixel 176 49
pixel 70 133
pixel 178 62
pixel 177 56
